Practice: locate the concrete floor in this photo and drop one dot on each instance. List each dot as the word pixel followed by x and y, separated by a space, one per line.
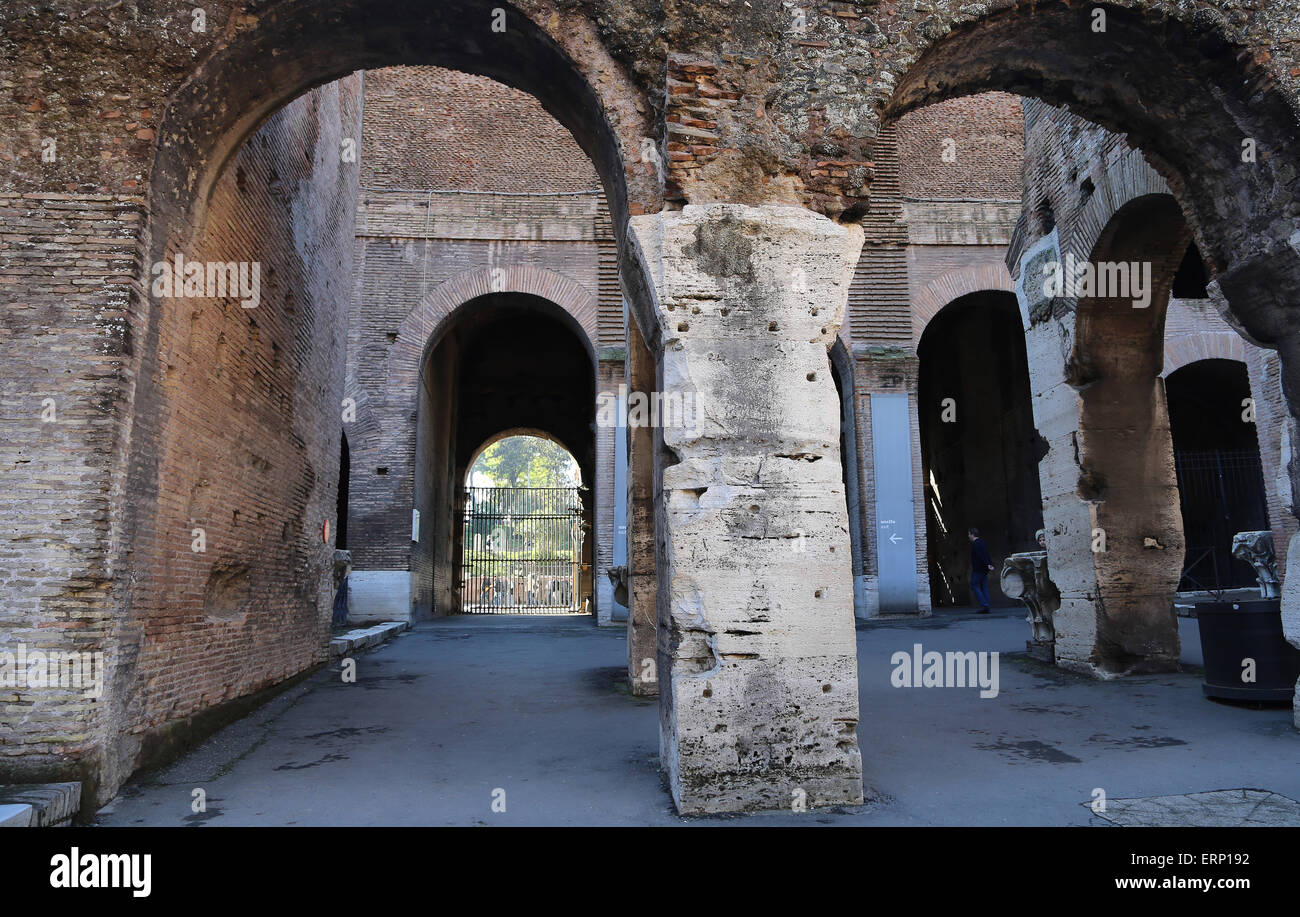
pixel 454 709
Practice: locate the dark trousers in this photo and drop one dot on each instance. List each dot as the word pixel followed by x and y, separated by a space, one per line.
pixel 979 584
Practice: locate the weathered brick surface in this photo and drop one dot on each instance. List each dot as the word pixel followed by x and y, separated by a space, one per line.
pixel 68 264
pixel 972 147
pixel 434 128
pixel 237 432
pixel 232 426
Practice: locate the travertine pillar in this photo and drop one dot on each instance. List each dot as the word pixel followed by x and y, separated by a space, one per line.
pixel 757 660
pixel 642 585
pixel 1110 495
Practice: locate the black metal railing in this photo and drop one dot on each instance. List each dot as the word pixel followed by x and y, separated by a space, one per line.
pixel 522 550
pixel 1221 493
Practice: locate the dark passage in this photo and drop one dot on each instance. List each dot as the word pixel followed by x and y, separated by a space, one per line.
pixel 978 450
pixel 1220 481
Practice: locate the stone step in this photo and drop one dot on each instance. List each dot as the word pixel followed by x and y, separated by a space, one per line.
pixel 39 805
pixel 13 815
pixel 365 637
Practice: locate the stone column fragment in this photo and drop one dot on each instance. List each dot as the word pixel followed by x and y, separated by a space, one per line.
pixel 757 658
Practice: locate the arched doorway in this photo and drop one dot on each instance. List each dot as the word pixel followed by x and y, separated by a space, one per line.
pixel 979 447
pixel 1220 480
pixel 236 414
pixel 500 364
pixel 522 542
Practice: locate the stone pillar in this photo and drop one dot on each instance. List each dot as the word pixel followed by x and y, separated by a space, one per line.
pixel 1110 498
pixel 757 656
pixel 1275 428
pixel 642 585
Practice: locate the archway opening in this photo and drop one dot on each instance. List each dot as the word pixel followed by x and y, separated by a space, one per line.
pixel 240 399
pixel 979 448
pixel 504 364
pixel 1220 479
pixel 524 531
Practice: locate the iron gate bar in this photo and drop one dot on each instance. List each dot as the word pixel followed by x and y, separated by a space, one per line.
pixel 1221 492
pixel 521 550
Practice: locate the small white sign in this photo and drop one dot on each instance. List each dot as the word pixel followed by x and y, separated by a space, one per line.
pixel 415 524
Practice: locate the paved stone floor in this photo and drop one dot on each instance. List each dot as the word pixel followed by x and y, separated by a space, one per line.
pixel 456 709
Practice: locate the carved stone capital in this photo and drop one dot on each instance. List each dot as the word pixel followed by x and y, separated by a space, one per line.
pixel 1256 549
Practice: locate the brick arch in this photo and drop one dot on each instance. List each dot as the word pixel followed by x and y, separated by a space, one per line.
pixel 537 432
pixel 553 54
pixel 1122 182
pixel 952 286
pixel 424 325
pixel 1203 345
pixel 1208 84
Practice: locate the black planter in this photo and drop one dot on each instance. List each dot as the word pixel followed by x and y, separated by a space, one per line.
pixel 1235 631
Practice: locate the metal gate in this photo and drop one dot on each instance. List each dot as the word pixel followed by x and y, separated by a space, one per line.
pixel 1221 493
pixel 522 550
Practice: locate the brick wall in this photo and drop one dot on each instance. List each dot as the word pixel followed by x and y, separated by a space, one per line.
pixel 237 433
pixel 434 128
pixel 68 279
pixel 984 158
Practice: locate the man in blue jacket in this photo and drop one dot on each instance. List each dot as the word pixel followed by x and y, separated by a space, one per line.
pixel 981 565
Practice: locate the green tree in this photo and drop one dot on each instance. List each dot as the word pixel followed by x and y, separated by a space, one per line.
pixel 526 461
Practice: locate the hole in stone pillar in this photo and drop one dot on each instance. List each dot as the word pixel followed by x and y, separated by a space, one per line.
pixel 772 326
pixel 812 377
pixel 725 311
pixel 682 326
pixel 1091 486
pixel 1046 217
